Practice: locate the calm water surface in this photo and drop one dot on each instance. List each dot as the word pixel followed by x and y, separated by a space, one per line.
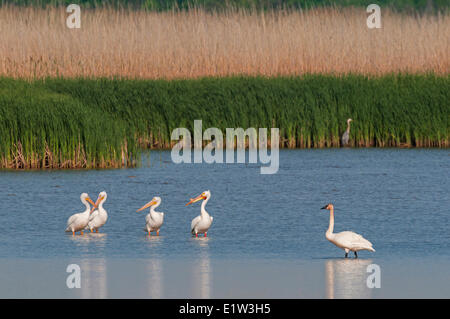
pixel 268 234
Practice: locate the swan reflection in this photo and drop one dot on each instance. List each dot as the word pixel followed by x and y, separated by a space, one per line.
pixel 346 278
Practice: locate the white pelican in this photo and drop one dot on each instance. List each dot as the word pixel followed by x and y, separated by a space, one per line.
pixel 347 240
pixel 78 222
pixel 201 223
pixel 99 217
pixel 153 220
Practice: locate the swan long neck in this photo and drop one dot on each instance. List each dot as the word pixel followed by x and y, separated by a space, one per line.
pixel 348 126
pixel 331 226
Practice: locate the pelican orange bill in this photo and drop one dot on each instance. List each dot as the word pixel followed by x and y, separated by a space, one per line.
pixel 99 199
pixel 90 200
pixel 150 203
pixel 193 200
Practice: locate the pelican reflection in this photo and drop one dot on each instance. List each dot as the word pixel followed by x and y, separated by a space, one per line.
pixel 93 278
pixel 154 241
pixel 155 278
pixel 202 270
pixel 98 239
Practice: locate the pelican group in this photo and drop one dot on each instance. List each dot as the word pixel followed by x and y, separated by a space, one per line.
pixel 202 222
pixel 346 240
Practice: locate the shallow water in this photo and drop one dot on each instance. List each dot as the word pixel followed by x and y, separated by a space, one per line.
pixel 265 227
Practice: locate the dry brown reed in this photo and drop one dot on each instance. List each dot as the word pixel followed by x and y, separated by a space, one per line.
pixel 36 43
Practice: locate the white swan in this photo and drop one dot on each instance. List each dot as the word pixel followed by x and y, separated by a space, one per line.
pixel 201 223
pixel 78 222
pixel 153 220
pixel 347 240
pixel 99 217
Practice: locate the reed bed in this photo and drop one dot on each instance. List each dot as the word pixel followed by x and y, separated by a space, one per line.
pixel 35 43
pixel 40 128
pixel 94 123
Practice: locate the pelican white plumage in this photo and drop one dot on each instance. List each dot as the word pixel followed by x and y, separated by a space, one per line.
pixel 347 240
pixel 201 223
pixel 78 222
pixel 153 220
pixel 98 217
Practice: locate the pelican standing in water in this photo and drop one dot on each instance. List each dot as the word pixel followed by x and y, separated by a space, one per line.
pixel 99 217
pixel 201 223
pixel 347 240
pixel 78 222
pixel 153 220
pixel 346 136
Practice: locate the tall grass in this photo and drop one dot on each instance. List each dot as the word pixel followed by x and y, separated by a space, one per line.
pixel 40 128
pixel 82 123
pixel 35 43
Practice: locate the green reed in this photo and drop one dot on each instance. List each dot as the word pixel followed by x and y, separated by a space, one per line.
pixel 95 123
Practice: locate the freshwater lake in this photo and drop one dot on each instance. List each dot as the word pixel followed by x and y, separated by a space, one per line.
pixel 268 235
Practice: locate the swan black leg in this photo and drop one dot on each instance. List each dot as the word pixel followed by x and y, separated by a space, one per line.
pixel 346 255
pixel 356 255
